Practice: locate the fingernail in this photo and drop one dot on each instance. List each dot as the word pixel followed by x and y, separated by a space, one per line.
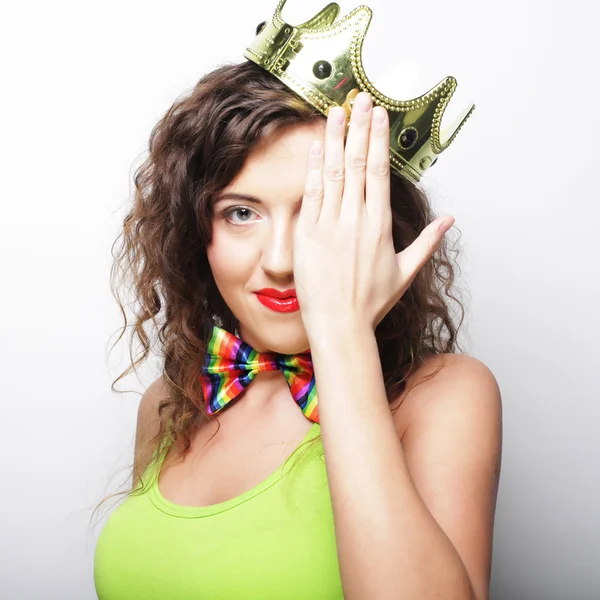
pixel 316 148
pixel 445 223
pixel 338 114
pixel 379 114
pixel 363 101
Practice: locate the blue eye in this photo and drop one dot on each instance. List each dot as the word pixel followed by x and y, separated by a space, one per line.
pixel 235 209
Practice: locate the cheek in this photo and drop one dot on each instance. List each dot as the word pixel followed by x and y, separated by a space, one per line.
pixel 229 260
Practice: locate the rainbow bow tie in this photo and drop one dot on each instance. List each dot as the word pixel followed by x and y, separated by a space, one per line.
pixel 231 364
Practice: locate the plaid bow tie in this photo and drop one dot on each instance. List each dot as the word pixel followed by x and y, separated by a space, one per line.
pixel 231 365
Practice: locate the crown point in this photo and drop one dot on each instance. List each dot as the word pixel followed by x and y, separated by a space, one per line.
pixel 418 119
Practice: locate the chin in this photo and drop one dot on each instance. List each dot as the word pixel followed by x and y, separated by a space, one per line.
pixel 289 338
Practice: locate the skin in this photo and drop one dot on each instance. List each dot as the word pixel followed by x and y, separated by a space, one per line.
pixel 252 248
pixel 323 229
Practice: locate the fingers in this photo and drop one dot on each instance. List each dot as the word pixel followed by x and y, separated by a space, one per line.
pixel 312 200
pixel 333 170
pixel 412 259
pixel 338 180
pixel 378 169
pixel 356 152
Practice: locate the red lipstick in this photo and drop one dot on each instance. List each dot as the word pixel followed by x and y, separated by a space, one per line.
pixel 278 300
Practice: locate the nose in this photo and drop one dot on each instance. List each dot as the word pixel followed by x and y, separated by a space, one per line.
pixel 277 252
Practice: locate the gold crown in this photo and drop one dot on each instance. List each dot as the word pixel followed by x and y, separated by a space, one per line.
pixel 321 61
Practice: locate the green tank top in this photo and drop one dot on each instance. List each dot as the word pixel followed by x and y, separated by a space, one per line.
pixel 274 541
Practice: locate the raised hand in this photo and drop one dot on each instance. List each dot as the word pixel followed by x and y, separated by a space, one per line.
pixel 345 268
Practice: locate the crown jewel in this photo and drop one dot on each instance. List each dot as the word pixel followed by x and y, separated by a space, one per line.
pixel 321 61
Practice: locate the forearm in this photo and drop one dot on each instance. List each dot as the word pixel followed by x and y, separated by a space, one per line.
pixel 389 545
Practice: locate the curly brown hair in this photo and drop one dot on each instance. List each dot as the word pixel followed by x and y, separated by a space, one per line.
pixel 196 150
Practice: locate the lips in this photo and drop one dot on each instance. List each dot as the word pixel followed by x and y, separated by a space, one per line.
pixel 281 294
pixel 284 305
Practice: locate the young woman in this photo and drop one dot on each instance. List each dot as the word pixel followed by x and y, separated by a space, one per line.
pixel 393 494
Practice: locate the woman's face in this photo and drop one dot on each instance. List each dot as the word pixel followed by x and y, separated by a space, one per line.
pixel 252 246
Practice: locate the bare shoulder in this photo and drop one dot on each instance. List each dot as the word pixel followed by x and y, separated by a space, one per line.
pixel 147 425
pixel 452 444
pixel 446 381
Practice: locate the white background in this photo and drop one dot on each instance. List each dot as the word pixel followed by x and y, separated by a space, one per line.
pixel 82 86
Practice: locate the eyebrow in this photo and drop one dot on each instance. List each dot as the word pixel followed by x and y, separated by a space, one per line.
pixel 246 197
pixel 234 196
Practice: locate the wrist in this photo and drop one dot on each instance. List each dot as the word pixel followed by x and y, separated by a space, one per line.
pixel 332 336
